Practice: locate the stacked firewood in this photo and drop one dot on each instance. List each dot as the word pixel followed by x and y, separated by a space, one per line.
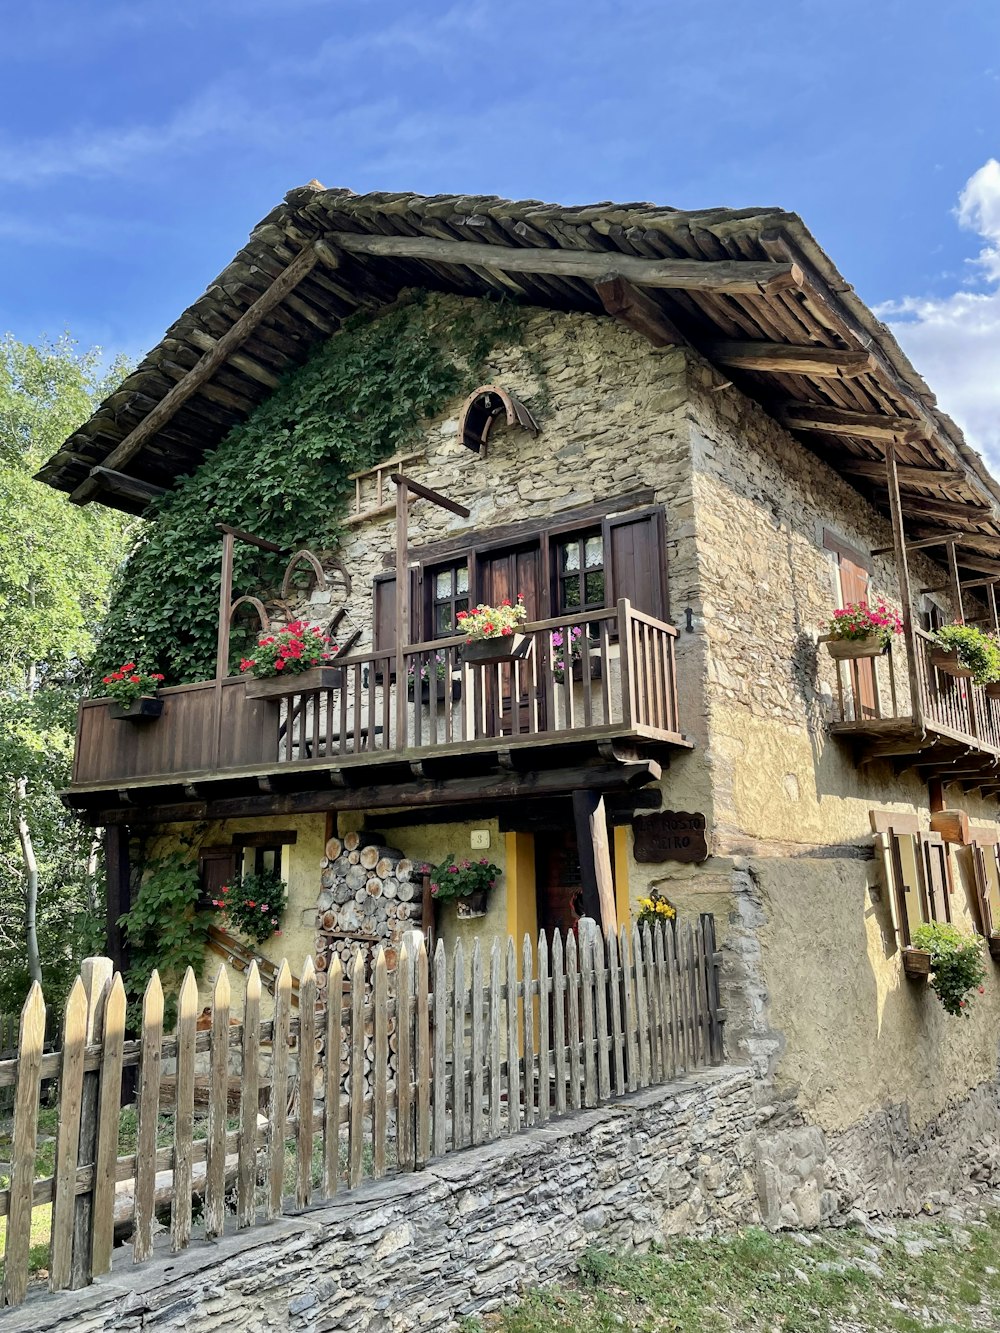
pixel 370 895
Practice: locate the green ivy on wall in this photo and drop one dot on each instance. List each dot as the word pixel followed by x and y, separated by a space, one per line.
pixel 363 395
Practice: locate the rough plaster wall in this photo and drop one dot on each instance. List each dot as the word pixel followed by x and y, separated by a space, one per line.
pixel 459 1238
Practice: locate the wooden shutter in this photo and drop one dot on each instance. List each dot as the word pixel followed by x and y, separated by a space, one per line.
pixel 217 866
pixel 905 879
pixel 384 611
pixel 935 859
pixel 635 561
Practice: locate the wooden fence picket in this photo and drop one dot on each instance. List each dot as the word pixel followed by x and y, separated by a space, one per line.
pixel 246 1166
pixel 30 1046
pixel 304 1130
pixel 149 1114
pixel 218 1105
pixel 557 1024
pixel 68 1135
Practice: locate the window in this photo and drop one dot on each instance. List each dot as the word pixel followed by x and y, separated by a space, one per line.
pixel 449 594
pixel 261 853
pixel 580 582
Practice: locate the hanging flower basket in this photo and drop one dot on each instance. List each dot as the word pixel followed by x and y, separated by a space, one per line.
pixel 842 650
pixel 443 689
pixel 917 963
pixel 299 682
pixel 147 708
pixel 485 651
pixel 946 660
pixel 993 941
pixel 473 905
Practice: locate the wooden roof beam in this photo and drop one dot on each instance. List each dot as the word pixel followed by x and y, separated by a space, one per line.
pixel 203 370
pixel 908 476
pixel 748 276
pixel 920 506
pixel 839 421
pixel 127 488
pixel 639 312
pixel 785 358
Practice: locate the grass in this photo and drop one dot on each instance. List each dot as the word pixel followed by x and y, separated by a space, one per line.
pixel 756 1281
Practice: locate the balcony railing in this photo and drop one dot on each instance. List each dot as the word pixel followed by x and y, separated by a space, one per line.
pixel 876 695
pixel 608 673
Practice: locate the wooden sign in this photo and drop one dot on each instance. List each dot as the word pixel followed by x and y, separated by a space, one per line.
pixel 670 835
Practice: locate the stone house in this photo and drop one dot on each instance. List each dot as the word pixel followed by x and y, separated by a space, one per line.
pixel 698 445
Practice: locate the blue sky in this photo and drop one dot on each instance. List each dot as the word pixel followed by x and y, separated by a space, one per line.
pixel 139 142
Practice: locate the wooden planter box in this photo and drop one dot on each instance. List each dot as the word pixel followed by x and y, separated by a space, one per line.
pixel 946 660
pixel 473 905
pixel 917 963
pixel 993 944
pixel 147 708
pixel 992 689
pixel 304 682
pixel 441 691
pixel 503 649
pixel 850 649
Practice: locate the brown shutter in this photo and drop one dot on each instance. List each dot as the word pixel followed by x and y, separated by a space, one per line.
pixel 384 611
pixel 635 561
pixel 217 866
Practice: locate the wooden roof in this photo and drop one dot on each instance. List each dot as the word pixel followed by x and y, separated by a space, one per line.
pixel 750 289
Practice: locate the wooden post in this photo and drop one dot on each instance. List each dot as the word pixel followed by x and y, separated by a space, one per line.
pixel 905 596
pixel 595 859
pixel 713 967
pixel 402 608
pixel 119 899
pixel 96 975
pixel 225 606
pixel 956 582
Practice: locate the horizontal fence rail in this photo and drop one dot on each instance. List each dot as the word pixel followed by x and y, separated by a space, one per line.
pixel 258 1114
pixel 604 672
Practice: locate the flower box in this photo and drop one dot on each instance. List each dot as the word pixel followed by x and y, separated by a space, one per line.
pixel 842 650
pixel 993 941
pixel 442 691
pixel 503 648
pixel 992 689
pixel 946 660
pixel 472 905
pixel 917 963
pixel 147 708
pixel 301 682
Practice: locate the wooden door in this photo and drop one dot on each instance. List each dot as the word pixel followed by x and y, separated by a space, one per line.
pixel 854 588
pixel 512 573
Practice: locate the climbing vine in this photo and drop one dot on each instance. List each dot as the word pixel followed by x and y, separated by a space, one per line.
pixel 363 395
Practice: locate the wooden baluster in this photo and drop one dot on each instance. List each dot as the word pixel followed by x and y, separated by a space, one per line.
pixel 334 1055
pixel 423 1061
pixel 573 1019
pixel 278 1108
pixel 109 1105
pixel 631 1029
pixel 406 1149
pixel 356 1112
pixel 559 1022
pixel 656 1061
pixel 307 1084
pixel 641 1008
pixel 626 670
pixel 458 1051
pixel 493 1039
pixel 588 1004
pixel 660 934
pixel 342 726
pixel 617 1029
pixel 149 1109
pixel 528 1029
pixel 599 950
pixel 218 1083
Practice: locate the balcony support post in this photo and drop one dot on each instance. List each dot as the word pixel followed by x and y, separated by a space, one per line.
pixel 956 583
pixel 594 852
pixel 905 595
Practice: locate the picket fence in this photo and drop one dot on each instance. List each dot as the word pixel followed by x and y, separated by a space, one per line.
pixel 439 1055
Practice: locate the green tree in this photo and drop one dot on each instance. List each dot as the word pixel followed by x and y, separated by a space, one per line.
pixel 56 563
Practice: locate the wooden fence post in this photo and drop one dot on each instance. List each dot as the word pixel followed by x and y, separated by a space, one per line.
pixel 713 969
pixel 96 975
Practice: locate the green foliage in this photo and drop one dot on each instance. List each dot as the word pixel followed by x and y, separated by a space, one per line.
pixel 957 965
pixel 164 930
pixel 254 905
pixel 361 396
pixel 977 652
pixel 56 564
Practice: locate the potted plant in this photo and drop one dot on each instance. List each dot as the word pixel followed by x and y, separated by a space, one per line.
pixel 133 693
pixel 655 910
pixel 491 631
pixel 467 884
pixel 993 944
pixel 967 653
pixel 291 661
pixel 253 905
pixel 573 638
pixel 956 965
pixel 438 671
pixel 860 630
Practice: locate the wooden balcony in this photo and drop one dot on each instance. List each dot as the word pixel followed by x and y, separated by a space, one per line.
pixel 901 708
pixel 444 718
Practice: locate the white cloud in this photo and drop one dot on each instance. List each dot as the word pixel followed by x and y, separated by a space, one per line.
pixel 954 340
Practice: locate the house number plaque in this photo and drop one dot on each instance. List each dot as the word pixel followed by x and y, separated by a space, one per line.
pixel 670 835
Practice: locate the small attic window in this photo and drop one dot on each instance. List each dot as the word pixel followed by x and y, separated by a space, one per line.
pixel 481 409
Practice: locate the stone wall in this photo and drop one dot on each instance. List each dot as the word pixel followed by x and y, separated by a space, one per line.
pixel 461 1237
